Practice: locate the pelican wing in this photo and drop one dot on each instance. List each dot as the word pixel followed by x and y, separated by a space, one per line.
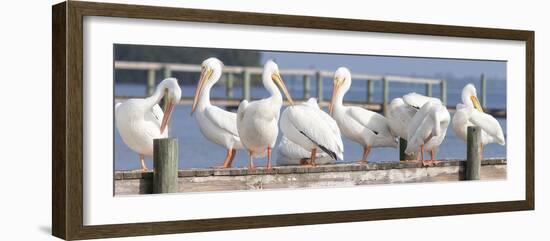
pixel 488 124
pixel 242 109
pixel 312 102
pixel 225 120
pixel 310 123
pixel 370 120
pixel 290 153
pixel 417 100
pixel 420 127
pixel 291 150
pixel 157 112
pixel 420 134
pixel 418 118
pixel 399 116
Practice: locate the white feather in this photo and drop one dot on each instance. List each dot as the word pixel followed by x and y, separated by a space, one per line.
pixel 417 100
pixel 363 126
pixel 399 115
pixel 467 115
pixel 290 153
pixel 138 120
pixel 310 127
pixel 428 127
pixel 257 121
pixel 217 125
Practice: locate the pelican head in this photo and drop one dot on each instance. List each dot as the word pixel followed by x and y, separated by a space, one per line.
pixel 171 94
pixel 342 83
pixel 469 97
pixel 211 71
pixel 271 72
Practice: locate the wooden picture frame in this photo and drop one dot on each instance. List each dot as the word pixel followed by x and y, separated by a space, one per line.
pixel 67 123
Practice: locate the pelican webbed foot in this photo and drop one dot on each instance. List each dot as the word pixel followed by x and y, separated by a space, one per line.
pixel 304 162
pixel 430 163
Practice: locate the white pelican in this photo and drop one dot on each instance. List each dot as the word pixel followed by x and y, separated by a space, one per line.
pixel 363 126
pixel 257 121
pixel 139 121
pixel 416 100
pixel 217 125
pixel 290 153
pixel 399 116
pixel 470 113
pixel 311 128
pixel 427 129
pixel 402 110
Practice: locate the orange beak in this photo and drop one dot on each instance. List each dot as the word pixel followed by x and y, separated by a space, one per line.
pixel 168 109
pixel 477 105
pixel 205 74
pixel 279 81
pixel 335 89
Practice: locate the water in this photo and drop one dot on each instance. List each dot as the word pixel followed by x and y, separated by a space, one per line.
pixel 197 151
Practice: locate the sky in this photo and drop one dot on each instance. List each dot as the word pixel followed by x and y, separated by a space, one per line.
pixel 427 67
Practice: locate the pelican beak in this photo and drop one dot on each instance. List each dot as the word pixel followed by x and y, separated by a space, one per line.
pixel 279 81
pixel 205 75
pixel 476 103
pixel 335 89
pixel 168 108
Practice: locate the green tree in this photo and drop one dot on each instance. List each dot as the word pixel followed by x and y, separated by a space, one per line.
pixel 186 55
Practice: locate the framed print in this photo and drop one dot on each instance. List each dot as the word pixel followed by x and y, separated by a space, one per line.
pixel 206 120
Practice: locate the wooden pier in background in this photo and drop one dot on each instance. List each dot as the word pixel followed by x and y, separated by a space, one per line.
pixel 232 104
pixel 242 75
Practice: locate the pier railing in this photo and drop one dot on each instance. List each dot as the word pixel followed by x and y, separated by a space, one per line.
pixel 243 74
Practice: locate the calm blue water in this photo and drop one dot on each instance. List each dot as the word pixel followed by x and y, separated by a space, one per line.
pixel 196 151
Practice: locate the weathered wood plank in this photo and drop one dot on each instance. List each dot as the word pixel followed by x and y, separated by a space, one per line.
pixel 335 175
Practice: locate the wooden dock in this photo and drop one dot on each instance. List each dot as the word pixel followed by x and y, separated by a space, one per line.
pixel 242 76
pixel 322 176
pixel 232 104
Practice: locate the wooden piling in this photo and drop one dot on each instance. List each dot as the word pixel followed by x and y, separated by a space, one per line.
pixel 483 98
pixel 385 94
pixel 473 153
pixel 319 78
pixel 246 85
pixel 307 81
pixel 150 88
pixel 369 91
pixel 429 90
pixel 229 85
pixel 167 72
pixel 165 164
pixel 402 155
pixel 443 91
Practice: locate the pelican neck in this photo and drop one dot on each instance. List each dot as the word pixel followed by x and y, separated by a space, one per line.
pixel 270 86
pixel 155 97
pixel 204 98
pixel 339 98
